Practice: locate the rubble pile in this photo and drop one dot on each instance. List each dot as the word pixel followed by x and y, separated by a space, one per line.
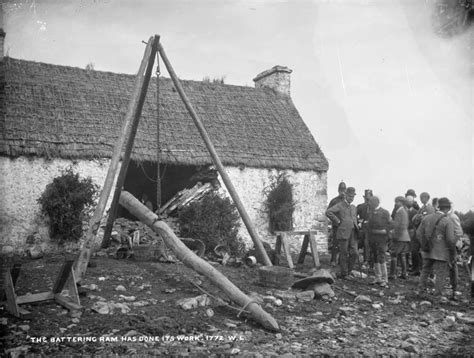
pixel 184 197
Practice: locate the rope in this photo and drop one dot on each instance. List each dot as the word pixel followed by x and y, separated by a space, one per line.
pixel 246 305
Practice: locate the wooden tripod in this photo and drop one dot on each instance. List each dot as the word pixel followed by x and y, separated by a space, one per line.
pixel 127 137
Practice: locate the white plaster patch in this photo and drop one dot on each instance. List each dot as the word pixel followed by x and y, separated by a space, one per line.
pixel 23 180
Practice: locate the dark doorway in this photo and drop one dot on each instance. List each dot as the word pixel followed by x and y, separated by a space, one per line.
pixel 140 181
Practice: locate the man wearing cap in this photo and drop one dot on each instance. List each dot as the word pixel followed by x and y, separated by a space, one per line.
pixel 426 209
pixel 400 239
pixel 438 244
pixel 363 217
pixel 344 216
pixel 333 244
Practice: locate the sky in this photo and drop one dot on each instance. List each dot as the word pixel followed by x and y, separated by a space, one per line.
pixel 388 100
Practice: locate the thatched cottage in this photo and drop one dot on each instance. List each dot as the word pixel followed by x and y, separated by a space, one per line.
pixel 53 116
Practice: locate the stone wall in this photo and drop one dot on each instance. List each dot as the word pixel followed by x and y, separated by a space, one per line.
pixel 22 181
pixel 310 195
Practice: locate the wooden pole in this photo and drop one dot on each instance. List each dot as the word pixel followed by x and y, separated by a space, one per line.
pixel 86 247
pixel 158 148
pixel 190 259
pixel 129 144
pixel 215 158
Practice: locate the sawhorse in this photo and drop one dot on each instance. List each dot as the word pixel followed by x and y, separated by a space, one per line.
pixel 13 302
pixel 309 240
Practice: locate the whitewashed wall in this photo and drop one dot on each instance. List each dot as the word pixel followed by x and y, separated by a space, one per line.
pixel 22 181
pixel 309 193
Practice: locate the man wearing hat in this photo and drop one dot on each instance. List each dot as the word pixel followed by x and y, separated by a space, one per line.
pixel 400 239
pixel 438 245
pixel 363 217
pixel 333 242
pixel 410 192
pixel 344 216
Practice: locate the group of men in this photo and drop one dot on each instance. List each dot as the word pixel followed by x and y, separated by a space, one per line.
pixel 424 237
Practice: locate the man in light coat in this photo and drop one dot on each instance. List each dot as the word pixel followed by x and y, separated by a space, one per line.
pixel 344 216
pixel 438 231
pixel 400 239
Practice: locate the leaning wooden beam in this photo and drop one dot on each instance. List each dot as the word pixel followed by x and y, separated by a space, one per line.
pixel 190 259
pixel 86 248
pixel 215 158
pixel 129 143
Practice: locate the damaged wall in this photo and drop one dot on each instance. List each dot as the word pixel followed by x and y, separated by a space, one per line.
pixel 309 194
pixel 23 180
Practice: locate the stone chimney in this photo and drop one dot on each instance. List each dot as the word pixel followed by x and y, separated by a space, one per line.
pixel 277 77
pixel 2 41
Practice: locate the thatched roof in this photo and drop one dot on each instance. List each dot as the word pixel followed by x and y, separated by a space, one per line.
pixel 66 112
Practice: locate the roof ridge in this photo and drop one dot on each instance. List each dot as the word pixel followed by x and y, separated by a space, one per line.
pixel 204 83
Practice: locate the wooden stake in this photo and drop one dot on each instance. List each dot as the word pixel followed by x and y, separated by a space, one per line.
pixel 216 160
pixel 190 259
pixel 129 143
pixel 314 250
pixel 86 247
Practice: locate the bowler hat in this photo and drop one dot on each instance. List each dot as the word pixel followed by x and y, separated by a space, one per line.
pixel 351 191
pixel 342 186
pixel 368 193
pixel 444 203
pixel 410 192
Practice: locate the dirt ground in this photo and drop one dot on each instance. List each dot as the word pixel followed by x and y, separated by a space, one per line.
pixel 147 320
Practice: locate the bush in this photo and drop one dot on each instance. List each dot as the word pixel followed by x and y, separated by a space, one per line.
pixel 213 220
pixel 66 202
pixel 279 204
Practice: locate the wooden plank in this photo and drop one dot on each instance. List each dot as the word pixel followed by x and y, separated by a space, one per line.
pixel 66 303
pixel 276 259
pixel 297 232
pixel 63 276
pixel 304 249
pixel 11 303
pixel 35 297
pixel 314 250
pixel 193 261
pixel 24 314
pixel 286 250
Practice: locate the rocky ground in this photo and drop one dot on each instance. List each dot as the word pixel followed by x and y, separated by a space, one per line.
pixel 132 308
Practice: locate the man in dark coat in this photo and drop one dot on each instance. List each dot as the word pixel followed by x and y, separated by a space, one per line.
pixel 344 216
pixel 378 228
pixel 333 242
pixel 438 244
pixel 363 217
pixel 426 209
